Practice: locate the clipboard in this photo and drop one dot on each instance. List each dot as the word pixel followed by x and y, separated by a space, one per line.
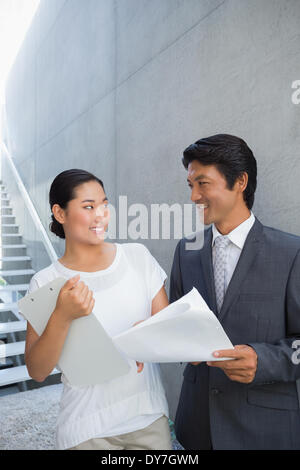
pixel 89 356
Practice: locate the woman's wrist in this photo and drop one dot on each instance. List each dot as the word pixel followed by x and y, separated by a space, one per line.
pixel 60 319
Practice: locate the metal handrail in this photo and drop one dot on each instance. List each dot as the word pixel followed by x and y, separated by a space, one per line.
pixel 37 221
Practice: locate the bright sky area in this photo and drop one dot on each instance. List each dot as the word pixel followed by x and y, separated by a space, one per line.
pixel 15 19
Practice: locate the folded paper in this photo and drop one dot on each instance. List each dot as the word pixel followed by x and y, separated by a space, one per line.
pixel 185 331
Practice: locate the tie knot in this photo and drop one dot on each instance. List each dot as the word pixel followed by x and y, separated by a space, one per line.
pixel 222 241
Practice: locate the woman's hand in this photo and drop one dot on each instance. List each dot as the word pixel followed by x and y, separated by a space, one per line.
pixel 74 300
pixel 140 365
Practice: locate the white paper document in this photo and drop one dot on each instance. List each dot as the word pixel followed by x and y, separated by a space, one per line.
pixel 89 356
pixel 185 331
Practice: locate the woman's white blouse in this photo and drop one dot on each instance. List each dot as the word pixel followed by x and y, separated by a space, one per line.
pixel 123 295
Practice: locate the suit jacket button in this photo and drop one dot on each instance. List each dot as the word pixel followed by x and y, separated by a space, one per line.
pixel 215 391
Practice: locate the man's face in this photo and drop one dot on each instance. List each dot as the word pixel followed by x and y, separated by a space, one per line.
pixel 209 187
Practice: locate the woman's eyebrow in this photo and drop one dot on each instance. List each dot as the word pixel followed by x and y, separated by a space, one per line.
pixel 92 200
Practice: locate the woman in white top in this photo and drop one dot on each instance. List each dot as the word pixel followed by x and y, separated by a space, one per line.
pixel 122 284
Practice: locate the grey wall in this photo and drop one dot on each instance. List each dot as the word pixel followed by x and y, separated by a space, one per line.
pixel 121 87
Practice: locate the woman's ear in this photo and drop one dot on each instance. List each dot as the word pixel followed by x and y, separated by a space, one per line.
pixel 58 213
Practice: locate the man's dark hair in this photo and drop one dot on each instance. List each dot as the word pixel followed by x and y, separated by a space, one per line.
pixel 231 155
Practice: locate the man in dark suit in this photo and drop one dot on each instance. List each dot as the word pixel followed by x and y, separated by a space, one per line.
pixel 249 275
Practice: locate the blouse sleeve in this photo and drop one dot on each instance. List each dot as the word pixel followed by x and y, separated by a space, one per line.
pixel 155 275
pixel 33 285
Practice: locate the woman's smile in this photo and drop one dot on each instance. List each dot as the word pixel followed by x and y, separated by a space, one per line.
pixel 97 230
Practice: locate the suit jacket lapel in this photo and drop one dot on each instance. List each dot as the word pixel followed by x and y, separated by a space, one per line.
pixel 247 257
pixel 207 269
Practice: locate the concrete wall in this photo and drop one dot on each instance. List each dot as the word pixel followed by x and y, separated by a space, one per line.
pixel 121 87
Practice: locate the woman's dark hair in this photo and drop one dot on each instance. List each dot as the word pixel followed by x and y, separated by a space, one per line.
pixel 231 155
pixel 62 191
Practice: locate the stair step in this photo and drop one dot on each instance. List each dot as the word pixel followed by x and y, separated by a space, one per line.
pixel 5 211
pixel 14 287
pixel 14 250
pixel 15 258
pixel 12 246
pixel 12 349
pixel 11 238
pixel 18 261
pixel 8 219
pixel 6 307
pixel 13 326
pixel 17 374
pixel 7 229
pixel 5 363
pixel 17 272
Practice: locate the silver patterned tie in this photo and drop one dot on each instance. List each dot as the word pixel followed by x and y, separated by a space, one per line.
pixel 221 243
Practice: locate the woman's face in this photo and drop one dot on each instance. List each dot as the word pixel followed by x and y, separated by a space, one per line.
pixel 86 217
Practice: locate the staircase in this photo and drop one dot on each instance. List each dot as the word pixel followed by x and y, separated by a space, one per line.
pixel 15 275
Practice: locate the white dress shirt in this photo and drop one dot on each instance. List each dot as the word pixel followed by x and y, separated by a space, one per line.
pixel 237 239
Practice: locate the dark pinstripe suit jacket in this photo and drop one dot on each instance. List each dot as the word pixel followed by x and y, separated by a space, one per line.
pixel 261 308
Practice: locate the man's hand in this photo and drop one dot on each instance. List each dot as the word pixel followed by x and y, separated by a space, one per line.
pixel 242 368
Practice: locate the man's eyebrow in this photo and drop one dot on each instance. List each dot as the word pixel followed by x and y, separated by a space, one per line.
pixel 199 177
pixel 92 200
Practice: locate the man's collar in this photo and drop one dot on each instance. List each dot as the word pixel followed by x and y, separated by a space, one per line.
pixel 238 235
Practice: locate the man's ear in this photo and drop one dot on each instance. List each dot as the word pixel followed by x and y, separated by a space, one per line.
pixel 58 213
pixel 242 181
